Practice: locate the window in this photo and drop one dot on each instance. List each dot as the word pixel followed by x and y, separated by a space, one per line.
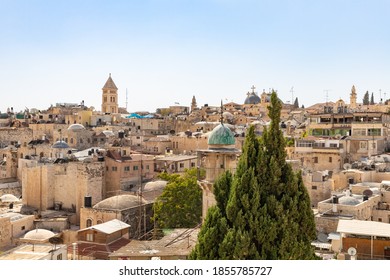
pixel 374 132
pixel 363 145
pixel 330 159
pixel 124 152
pixel 105 99
pixel 315 159
pixel 71 140
pixel 313 187
pixel 147 167
pixel 99 222
pixel 135 167
pixel 192 164
pixel 181 165
pixel 359 132
pixel 127 168
pixel 59 257
pixel 89 223
pixel 23 228
pixel 114 168
pixel 89 237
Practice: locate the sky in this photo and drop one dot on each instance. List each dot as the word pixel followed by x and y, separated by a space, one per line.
pixel 164 52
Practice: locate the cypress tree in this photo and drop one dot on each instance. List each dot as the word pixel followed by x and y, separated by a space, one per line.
pixel 366 98
pixel 266 211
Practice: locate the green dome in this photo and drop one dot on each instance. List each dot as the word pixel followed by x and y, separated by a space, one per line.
pixel 221 135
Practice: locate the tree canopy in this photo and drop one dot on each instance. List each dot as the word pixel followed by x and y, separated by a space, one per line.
pixel 263 210
pixel 180 204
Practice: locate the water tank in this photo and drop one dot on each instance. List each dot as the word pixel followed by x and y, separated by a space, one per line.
pixel 87 201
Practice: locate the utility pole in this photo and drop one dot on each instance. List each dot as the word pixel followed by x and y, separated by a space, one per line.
pixel 292 96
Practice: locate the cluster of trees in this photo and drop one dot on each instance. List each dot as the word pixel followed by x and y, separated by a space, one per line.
pixel 367 100
pixel 262 211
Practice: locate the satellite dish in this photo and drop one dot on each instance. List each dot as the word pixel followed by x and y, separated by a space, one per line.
pixel 322 237
pixel 55 240
pixel 352 251
pixel 368 193
pixel 347 166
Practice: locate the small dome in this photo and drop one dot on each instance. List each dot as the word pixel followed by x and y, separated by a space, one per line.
pixel 227 115
pixel 8 198
pixel 155 185
pixel 108 133
pixel 60 145
pixel 221 135
pixel 76 127
pixel 119 202
pixel 39 234
pixel 349 200
pixel 252 98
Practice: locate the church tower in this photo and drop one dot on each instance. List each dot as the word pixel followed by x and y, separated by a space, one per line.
pixel 110 97
pixel 353 98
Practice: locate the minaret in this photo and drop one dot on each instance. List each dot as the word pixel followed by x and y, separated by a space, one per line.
pixel 193 103
pixel 353 98
pixel 110 97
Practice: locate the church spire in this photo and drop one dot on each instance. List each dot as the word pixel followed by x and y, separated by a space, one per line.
pixel 110 84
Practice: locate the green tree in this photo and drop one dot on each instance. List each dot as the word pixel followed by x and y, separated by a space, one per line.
pixel 372 102
pixel 180 204
pixel 366 98
pixel 296 103
pixel 263 211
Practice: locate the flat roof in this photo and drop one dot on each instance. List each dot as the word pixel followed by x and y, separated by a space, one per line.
pixel 109 227
pixel 176 158
pixel 369 228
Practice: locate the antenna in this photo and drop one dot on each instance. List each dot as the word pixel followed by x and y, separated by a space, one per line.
pixel 326 95
pixel 126 99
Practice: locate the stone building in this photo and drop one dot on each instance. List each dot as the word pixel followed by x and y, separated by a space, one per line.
pixel 127 172
pixel 128 208
pixel 13 226
pixel 63 185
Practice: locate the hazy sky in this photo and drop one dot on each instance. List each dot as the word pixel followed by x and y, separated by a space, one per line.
pixel 166 51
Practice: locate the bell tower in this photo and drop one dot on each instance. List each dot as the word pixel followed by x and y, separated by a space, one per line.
pixel 110 97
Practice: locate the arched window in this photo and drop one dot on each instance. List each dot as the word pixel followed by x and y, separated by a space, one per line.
pixel 99 221
pixel 89 223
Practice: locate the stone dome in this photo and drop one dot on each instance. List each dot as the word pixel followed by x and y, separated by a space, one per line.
pixel 39 234
pixel 155 185
pixel 349 200
pixel 119 202
pixel 227 116
pixel 60 145
pixel 221 135
pixel 108 133
pixel 8 198
pixel 252 98
pixel 76 127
